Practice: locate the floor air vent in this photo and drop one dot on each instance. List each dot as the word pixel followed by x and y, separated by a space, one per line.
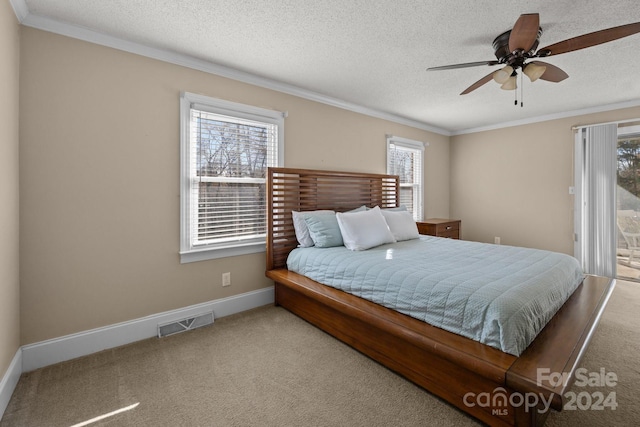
pixel 166 329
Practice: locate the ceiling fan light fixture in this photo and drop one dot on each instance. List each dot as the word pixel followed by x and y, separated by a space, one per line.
pixel 502 76
pixel 510 84
pixel 534 71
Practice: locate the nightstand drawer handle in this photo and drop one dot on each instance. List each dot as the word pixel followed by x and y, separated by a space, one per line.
pixel 448 227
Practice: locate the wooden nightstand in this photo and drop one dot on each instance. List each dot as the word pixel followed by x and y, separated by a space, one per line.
pixel 440 227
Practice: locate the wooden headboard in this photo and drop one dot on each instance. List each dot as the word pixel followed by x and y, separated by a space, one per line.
pixel 307 190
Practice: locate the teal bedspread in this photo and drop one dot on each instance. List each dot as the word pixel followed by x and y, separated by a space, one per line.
pixel 501 296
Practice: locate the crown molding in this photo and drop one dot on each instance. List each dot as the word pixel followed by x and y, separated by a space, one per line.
pixel 20 8
pixel 549 117
pixel 47 24
pixel 85 34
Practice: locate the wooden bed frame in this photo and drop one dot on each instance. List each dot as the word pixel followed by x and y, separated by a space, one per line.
pixel 480 380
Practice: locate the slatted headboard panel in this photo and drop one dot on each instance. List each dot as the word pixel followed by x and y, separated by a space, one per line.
pixel 307 190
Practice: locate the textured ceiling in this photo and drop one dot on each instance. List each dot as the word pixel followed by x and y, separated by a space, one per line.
pixel 374 53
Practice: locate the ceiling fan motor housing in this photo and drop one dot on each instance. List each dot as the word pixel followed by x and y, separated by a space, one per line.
pixel 514 59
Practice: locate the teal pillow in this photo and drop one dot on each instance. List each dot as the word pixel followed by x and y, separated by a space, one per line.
pixel 324 230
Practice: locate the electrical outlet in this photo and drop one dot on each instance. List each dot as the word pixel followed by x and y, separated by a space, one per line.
pixel 496 240
pixel 226 279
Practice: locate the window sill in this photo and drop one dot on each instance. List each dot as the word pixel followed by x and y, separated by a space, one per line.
pixel 221 252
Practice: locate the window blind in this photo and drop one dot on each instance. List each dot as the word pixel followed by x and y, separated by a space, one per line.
pixel 405 159
pixel 596 166
pixel 225 150
pixel 229 161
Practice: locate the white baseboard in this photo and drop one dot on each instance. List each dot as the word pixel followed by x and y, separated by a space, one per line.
pixel 44 353
pixel 69 347
pixel 10 380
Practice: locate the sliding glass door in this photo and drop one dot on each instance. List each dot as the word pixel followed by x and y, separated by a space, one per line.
pixel 628 203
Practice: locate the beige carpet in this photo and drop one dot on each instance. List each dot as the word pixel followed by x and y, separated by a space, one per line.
pixel 266 367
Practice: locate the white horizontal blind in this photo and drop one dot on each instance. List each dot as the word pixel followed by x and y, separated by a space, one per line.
pixel 230 157
pixel 225 150
pixel 405 158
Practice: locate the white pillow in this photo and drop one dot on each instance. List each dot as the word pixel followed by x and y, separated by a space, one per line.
pixel 364 230
pixel 302 231
pixel 401 224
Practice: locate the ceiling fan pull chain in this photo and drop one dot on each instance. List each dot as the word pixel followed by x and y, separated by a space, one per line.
pixel 521 90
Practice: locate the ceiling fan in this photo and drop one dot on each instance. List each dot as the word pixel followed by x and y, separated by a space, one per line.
pixel 515 48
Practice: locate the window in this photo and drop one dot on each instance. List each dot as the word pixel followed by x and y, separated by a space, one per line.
pixel 226 149
pixel 405 158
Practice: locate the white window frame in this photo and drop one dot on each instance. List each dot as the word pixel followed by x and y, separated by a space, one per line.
pixel 418 183
pixel 188 251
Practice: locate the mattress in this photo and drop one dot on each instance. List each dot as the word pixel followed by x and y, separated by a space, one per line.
pixel 501 296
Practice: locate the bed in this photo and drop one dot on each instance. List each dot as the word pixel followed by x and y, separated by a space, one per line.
pixel 496 387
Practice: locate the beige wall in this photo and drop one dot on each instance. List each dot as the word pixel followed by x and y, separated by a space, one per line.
pixel 99 185
pixel 9 200
pixel 99 181
pixel 514 182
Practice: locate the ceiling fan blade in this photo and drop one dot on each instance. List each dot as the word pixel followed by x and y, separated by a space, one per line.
pixel 479 83
pixel 591 39
pixel 466 65
pixel 525 32
pixel 552 73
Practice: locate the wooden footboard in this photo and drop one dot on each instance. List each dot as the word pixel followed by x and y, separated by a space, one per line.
pixel 462 371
